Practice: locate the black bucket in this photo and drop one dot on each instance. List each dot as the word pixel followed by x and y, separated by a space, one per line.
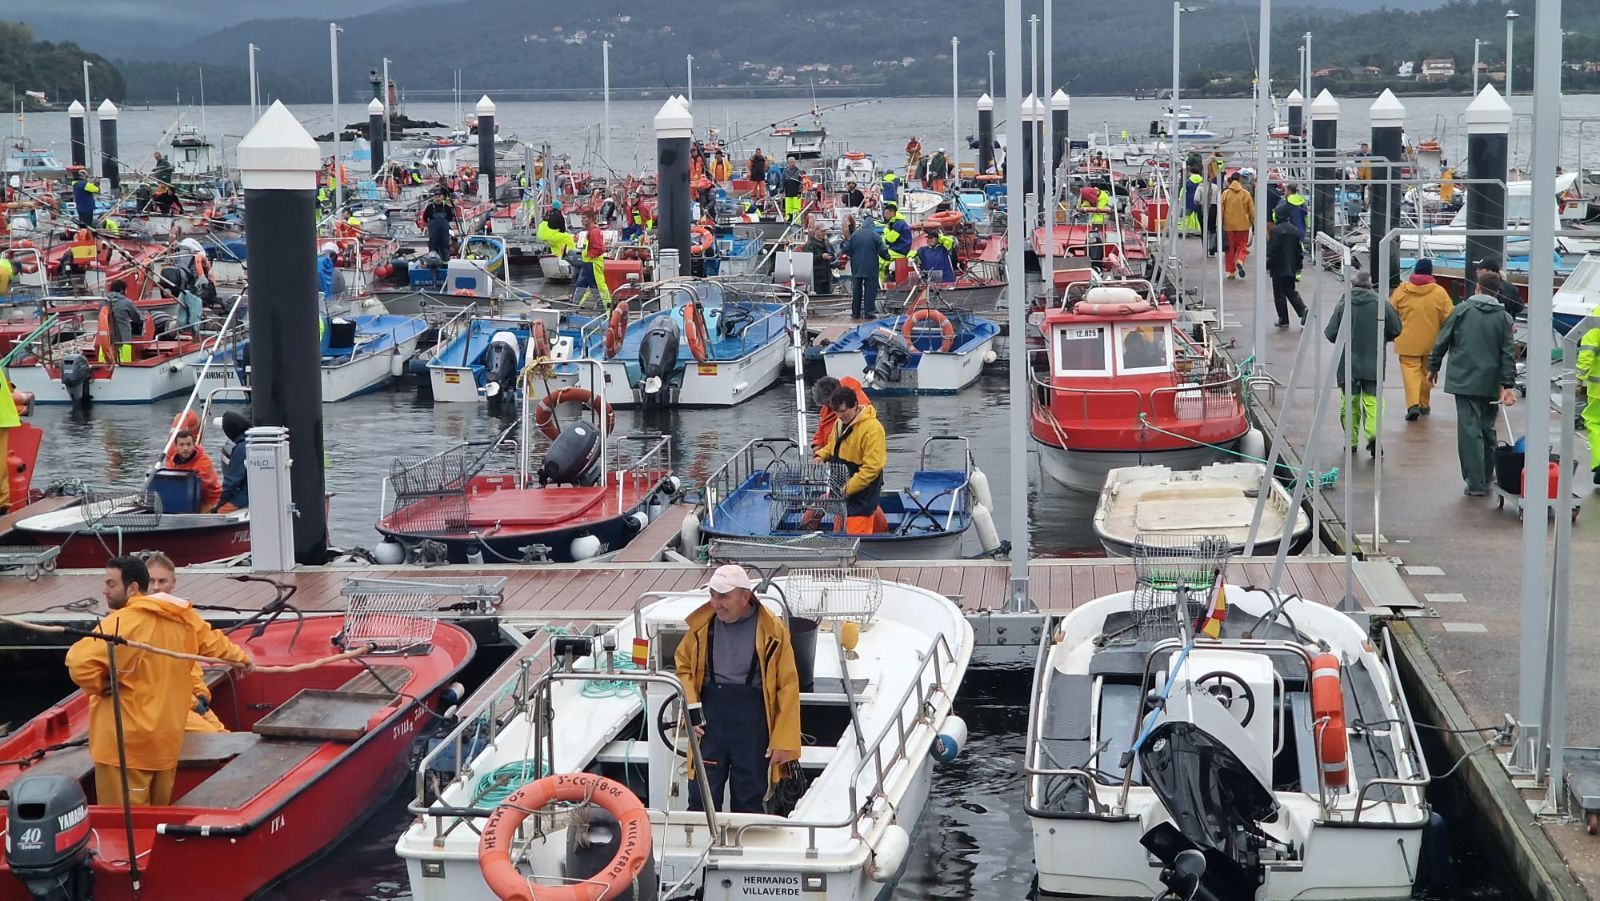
pixel 803 636
pixel 1508 465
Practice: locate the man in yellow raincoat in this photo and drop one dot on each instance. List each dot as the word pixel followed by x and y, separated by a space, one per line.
pixel 859 442
pixel 163 581
pixel 154 689
pixel 1589 380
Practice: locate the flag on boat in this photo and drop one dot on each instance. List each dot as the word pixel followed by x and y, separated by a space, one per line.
pixel 1216 612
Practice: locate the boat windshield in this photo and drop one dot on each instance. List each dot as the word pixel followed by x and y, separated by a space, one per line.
pixel 1143 348
pixel 1081 350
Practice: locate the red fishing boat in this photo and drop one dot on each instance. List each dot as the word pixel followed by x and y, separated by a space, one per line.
pixel 980 271
pixel 310 754
pixel 1120 382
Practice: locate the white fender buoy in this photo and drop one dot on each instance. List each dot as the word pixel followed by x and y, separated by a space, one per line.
pixel 689 533
pixel 952 738
pixel 1254 444
pixel 983 521
pixel 1112 294
pixel 637 520
pixel 889 855
pixel 655 509
pixel 584 547
pixel 389 553
pixel 989 356
pixel 674 486
pixel 978 482
pixel 397 365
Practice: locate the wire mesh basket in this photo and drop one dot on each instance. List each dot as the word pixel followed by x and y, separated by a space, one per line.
pixel 808 497
pixel 400 616
pixel 842 594
pixel 1174 576
pixel 432 491
pixel 114 508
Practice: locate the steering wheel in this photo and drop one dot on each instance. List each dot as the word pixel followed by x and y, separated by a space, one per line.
pixel 665 728
pixel 1228 689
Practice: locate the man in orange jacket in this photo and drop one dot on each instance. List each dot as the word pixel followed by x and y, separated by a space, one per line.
pixel 823 390
pixel 188 456
pixel 153 689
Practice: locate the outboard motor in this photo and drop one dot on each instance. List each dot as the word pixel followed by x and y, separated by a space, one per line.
pixel 573 457
pixel 500 365
pixel 658 356
pixel 894 351
pixel 47 838
pixel 76 375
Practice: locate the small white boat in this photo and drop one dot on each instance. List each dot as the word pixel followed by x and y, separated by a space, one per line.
pixel 1219 499
pixel 1290 759
pixel 931 353
pixel 875 716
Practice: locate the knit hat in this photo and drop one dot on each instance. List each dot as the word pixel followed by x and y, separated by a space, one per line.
pixel 1423 267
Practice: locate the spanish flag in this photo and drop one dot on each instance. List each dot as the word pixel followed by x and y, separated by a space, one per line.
pixel 1211 627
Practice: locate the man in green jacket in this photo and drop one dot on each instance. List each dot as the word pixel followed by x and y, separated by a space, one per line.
pixel 1360 407
pixel 1477 336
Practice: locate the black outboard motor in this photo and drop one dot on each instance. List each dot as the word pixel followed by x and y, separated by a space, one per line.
pixel 47 838
pixel 894 351
pixel 573 457
pixel 76 375
pixel 500 367
pixel 658 356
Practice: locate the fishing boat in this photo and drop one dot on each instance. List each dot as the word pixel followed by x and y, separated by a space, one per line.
pixel 197 168
pixel 1219 499
pixel 309 755
pixel 77 366
pixel 1120 382
pixel 485 359
pixel 580 493
pixel 879 666
pixel 1289 759
pixel 769 493
pixel 29 162
pixel 980 275
pixel 110 522
pixel 695 342
pixel 360 354
pixel 926 351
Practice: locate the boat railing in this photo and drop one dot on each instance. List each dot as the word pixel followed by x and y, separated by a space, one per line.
pixel 646 467
pixel 1411 743
pixel 757 455
pixel 209 350
pixel 879 762
pixel 366 349
pixel 960 495
pixel 1032 770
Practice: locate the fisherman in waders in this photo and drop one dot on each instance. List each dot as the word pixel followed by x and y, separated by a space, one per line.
pixel 153 689
pixel 743 693
pixel 858 442
pixel 437 217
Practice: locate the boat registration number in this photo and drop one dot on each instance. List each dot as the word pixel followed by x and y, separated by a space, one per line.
pixel 1082 333
pixel 707 369
pixel 452 378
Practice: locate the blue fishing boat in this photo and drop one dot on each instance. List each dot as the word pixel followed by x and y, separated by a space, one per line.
pixel 927 352
pixel 770 493
pixel 483 359
pixel 360 354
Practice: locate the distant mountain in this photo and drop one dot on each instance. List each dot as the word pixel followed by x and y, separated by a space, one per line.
pixel 517 50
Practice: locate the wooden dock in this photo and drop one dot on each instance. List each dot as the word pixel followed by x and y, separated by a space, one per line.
pixel 577 591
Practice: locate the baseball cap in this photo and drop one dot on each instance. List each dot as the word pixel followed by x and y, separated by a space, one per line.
pixel 329 247
pixel 728 577
pixel 1489 262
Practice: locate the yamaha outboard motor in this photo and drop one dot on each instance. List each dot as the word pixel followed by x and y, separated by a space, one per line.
pixel 894 351
pixel 658 357
pixel 76 375
pixel 573 457
pixel 47 838
pixel 500 367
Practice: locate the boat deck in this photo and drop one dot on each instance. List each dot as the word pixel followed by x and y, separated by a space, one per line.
pixel 576 591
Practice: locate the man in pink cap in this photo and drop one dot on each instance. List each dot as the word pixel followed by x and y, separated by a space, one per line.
pixel 739 680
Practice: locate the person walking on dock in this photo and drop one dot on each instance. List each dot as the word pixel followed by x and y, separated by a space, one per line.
pixel 1360 410
pixel 1284 259
pixel 1238 218
pixel 590 273
pixel 1477 338
pixel 1423 305
pixel 1589 381
pixel 742 688
pixel 864 248
pixel 153 690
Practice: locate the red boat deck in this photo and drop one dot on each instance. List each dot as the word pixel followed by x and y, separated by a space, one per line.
pixel 575 590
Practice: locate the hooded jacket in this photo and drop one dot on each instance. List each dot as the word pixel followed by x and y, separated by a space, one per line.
pixel 780 681
pixel 157 692
pixel 1238 209
pixel 200 464
pixel 862 447
pixel 1423 308
pixel 1284 256
pixel 1364 348
pixel 826 417
pixel 1477 336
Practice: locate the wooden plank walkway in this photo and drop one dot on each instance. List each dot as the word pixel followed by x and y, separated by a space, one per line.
pixel 570 591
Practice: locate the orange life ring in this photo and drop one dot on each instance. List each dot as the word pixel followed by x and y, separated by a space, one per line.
pixel 1327 707
pixel 854 155
pixel 540 340
pixel 704 242
pixel 103 345
pixel 544 417
pixel 946 219
pixel 928 314
pixel 500 832
pixel 695 331
pixel 616 328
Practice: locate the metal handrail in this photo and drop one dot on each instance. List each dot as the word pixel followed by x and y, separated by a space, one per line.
pixel 730 476
pixel 959 492
pixel 1030 765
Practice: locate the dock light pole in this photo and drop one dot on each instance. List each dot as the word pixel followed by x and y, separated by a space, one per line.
pixel 75 128
pixel 333 63
pixel 955 110
pixel 278 163
pixel 1258 337
pixel 388 103
pixel 88 133
pixel 605 115
pixel 486 136
pixel 1016 312
pixel 1048 159
pixel 689 64
pixel 1511 30
pixel 1175 170
pixel 1030 143
pixel 109 169
pixel 255 96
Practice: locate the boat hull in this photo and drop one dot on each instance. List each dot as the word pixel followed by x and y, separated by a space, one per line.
pixel 980 298
pixel 127 384
pixel 715 383
pixel 935 373
pixel 1086 470
pixel 185 545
